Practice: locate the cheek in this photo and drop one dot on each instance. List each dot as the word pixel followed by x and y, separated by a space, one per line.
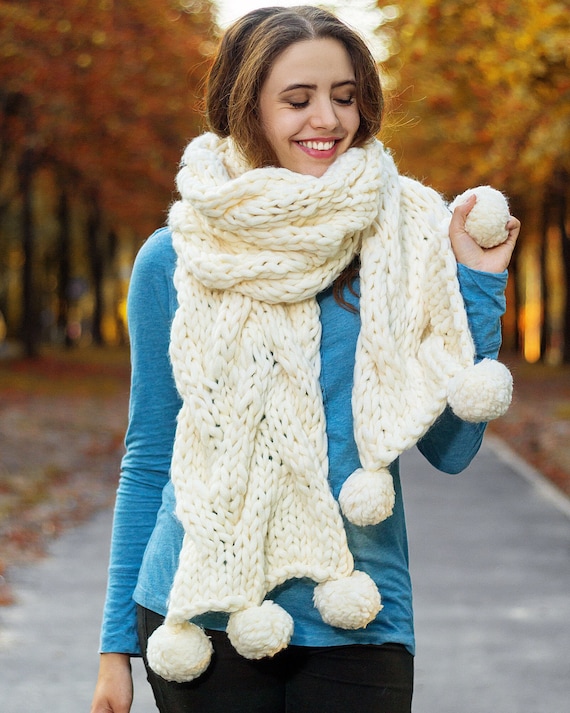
pixel 270 137
pixel 281 130
pixel 355 122
pixel 271 126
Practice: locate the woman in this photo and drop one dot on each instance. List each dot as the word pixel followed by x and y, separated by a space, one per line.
pixel 295 259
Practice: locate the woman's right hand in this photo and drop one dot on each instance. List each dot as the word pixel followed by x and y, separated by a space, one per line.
pixel 114 689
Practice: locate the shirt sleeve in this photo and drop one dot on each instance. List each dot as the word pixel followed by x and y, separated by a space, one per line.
pixel 153 408
pixel 451 444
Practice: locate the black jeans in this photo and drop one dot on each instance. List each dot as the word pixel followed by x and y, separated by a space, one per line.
pixel 299 679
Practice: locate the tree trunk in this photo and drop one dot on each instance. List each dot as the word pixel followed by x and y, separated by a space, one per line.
pixel 30 328
pixel 97 263
pixel 546 322
pixel 512 338
pixel 63 261
pixel 562 216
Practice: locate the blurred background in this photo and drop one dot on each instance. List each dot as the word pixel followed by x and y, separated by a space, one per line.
pixel 98 99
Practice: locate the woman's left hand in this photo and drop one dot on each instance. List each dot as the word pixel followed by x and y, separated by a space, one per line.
pixel 466 250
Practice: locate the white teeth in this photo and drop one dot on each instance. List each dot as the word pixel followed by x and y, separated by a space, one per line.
pixel 318 145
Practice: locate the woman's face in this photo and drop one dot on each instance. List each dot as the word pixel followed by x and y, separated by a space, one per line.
pixel 308 105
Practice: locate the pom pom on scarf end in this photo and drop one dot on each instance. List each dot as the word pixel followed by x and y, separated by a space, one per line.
pixel 481 392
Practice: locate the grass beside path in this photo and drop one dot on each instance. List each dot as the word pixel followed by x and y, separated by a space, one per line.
pixel 62 423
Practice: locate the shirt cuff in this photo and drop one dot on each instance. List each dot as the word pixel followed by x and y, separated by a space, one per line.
pixel 485 303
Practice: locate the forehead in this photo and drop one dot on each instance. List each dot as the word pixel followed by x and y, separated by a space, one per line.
pixel 312 62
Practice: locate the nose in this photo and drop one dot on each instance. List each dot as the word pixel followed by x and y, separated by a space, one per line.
pixel 324 115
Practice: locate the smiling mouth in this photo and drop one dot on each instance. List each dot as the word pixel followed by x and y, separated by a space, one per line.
pixel 318 145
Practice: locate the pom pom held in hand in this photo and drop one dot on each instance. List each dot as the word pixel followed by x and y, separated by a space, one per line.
pixel 481 392
pixel 487 220
pixel 179 652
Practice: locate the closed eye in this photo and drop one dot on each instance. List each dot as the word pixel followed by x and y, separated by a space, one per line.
pixel 304 104
pixel 345 102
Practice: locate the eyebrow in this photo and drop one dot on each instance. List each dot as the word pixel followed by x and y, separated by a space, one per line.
pixel 336 85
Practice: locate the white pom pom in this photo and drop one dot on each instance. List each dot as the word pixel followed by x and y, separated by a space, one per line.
pixel 486 223
pixel 367 497
pixel 481 392
pixel 179 652
pixel 260 631
pixel 349 603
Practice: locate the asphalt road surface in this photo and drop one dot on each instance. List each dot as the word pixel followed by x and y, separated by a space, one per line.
pixel 490 561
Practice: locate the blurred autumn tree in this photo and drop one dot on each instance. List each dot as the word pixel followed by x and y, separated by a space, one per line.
pixel 97 99
pixel 483 96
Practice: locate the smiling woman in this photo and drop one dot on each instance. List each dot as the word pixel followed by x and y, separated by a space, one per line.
pixel 300 322
pixel 308 106
pixel 266 61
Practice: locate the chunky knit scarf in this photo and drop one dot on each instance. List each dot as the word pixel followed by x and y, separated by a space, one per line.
pixel 255 247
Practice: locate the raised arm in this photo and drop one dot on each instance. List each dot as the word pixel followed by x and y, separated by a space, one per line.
pixel 451 443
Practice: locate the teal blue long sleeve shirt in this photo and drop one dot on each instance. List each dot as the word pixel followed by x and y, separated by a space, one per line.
pixel 147 536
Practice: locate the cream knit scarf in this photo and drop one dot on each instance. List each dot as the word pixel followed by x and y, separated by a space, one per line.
pixel 250 465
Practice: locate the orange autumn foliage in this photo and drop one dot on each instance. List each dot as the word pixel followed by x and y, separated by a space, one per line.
pixel 483 91
pixel 112 89
pixel 481 94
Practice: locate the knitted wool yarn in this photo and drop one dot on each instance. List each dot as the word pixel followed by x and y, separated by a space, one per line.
pixel 249 464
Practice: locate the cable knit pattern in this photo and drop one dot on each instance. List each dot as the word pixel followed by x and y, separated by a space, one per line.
pixel 250 465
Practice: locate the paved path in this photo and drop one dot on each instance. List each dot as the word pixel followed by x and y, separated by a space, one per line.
pixel 490 559
pixel 490 562
pixel 49 639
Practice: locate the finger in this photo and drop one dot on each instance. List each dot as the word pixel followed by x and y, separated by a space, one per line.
pixel 463 209
pixel 513 225
pixel 457 223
